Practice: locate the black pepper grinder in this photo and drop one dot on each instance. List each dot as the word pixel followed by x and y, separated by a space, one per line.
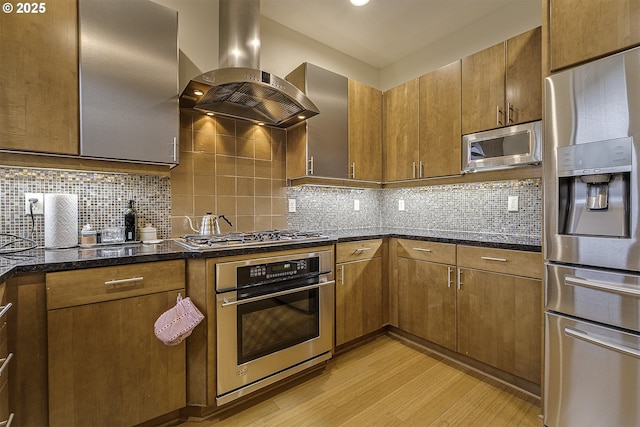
pixel 130 222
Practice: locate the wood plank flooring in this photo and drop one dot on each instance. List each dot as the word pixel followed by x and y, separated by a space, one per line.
pixel 386 383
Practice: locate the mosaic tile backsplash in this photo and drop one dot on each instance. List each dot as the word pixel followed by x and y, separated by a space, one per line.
pixel 475 207
pixel 102 198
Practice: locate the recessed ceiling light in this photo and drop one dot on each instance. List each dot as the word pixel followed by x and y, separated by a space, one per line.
pixel 359 2
pixel 198 92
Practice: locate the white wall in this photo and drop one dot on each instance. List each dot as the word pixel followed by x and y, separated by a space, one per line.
pixel 284 49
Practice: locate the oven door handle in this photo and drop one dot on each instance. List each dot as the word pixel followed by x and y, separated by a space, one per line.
pixel 228 303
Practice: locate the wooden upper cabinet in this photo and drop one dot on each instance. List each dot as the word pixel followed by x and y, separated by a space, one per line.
pixel 483 89
pixel 502 85
pixel 440 138
pixel 523 81
pixel 582 30
pixel 39 69
pixel 365 132
pixel 401 106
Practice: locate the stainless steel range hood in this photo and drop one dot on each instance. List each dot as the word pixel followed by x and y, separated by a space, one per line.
pixel 239 89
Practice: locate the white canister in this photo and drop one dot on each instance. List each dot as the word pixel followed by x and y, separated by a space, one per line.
pixel 148 233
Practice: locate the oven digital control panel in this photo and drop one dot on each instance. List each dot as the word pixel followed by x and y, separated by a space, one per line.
pixel 254 274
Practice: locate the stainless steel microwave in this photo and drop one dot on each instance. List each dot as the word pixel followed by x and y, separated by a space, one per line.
pixel 516 145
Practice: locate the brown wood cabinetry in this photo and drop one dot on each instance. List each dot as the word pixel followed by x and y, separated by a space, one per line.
pixel 583 30
pixel 365 132
pixel 500 309
pixel 39 69
pixel 440 147
pixel 427 291
pixel 401 131
pixel 359 293
pixel 502 85
pixel 102 349
pixel 5 358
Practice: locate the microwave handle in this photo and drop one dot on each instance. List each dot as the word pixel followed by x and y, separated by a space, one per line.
pixel 498 116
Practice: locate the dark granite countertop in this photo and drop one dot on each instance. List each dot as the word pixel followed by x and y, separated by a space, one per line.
pixel 41 260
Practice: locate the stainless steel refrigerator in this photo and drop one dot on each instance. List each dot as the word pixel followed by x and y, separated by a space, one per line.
pixel 592 244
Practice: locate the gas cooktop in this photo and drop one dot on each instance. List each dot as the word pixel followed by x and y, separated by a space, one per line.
pixel 199 242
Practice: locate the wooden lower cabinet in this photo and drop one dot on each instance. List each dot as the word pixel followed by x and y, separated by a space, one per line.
pixel 106 366
pixel 5 357
pixel 500 309
pixel 359 294
pixel 427 301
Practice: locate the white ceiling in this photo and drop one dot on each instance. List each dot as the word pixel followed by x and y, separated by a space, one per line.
pixel 383 31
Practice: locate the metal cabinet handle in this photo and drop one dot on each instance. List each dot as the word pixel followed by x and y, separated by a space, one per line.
pixel 310 165
pixel 353 170
pixel 175 149
pixel 228 303
pixel 584 336
pixel 413 169
pixel 5 362
pixel 489 258
pixel 449 277
pixel 422 249
pixel 4 309
pixel 342 275
pixel 121 281
pixel 421 170
pixel 7 423
pixel 602 286
pixel 360 250
pixel 459 279
pixel 498 116
pixel 509 113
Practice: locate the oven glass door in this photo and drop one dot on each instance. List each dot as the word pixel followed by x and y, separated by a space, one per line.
pixel 260 334
pixel 275 323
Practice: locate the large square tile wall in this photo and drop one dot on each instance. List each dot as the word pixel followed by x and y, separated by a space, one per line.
pixel 102 198
pixel 231 168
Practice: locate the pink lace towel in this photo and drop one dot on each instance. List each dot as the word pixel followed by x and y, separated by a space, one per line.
pixel 177 323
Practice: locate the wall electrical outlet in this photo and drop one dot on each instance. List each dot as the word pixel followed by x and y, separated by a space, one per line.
pixel 512 204
pixel 292 205
pixel 356 205
pixel 38 206
pixel 401 205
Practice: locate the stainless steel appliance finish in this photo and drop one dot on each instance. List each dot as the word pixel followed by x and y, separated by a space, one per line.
pixel 516 145
pixel 199 242
pixel 274 318
pixel 132 46
pixel 239 89
pixel 592 246
pixel 328 133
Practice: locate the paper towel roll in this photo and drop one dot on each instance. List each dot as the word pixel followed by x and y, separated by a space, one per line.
pixel 60 220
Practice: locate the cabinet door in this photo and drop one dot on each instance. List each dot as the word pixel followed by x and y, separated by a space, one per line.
pixel 39 69
pixel 106 366
pixel 365 132
pixel 440 139
pixel 583 30
pixel 483 90
pixel 427 301
pixel 401 132
pixel 129 97
pixel 500 320
pixel 358 299
pixel 524 77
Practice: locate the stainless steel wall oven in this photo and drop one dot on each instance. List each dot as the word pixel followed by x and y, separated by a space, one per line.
pixel 274 318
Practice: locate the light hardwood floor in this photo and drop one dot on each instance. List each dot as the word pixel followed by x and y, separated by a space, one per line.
pixel 386 383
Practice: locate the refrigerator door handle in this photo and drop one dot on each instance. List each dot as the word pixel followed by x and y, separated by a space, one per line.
pixel 584 336
pixel 603 286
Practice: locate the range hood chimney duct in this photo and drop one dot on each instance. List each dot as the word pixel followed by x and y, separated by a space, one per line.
pixel 239 89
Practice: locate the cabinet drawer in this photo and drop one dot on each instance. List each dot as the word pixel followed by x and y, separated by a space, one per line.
pixel 443 253
pixel 362 249
pixel 518 263
pixel 91 285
